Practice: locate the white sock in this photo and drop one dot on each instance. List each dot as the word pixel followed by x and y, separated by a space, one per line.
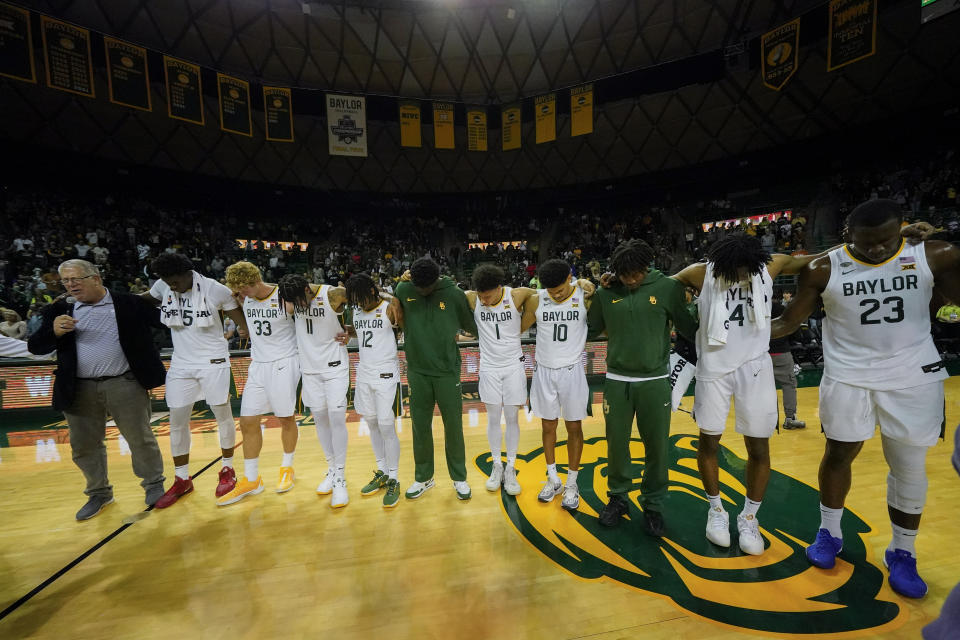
pixel 182 472
pixel 750 508
pixel 552 472
pixel 715 502
pixel 572 477
pixel 393 474
pixel 905 539
pixel 227 462
pixel 287 460
pixel 830 520
pixel 511 462
pixel 251 469
pixel 339 471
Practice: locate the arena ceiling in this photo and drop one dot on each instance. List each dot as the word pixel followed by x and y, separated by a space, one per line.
pixel 672 89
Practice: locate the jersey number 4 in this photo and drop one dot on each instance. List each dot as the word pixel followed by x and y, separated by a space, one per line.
pixel 873 305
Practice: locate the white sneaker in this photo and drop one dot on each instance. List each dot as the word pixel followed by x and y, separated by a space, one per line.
pixel 551 488
pixel 340 497
pixel 463 489
pixel 510 484
pixel 326 486
pixel 417 489
pixel 571 497
pixel 750 539
pixel 496 478
pixel 718 527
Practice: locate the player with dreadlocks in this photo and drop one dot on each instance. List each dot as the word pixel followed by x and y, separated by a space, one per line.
pixel 736 296
pixel 636 311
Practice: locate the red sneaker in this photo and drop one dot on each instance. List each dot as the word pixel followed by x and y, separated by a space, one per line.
pixel 180 487
pixel 228 480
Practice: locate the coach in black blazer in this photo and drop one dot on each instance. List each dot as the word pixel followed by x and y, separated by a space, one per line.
pixel 106 362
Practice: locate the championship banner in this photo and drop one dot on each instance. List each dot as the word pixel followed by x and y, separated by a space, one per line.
pixel 779 54
pixel 66 52
pixel 545 108
pixel 581 110
pixel 278 113
pixel 476 130
pixel 511 130
pixel 16 44
pixel 443 125
pixel 127 76
pixel 184 90
pixel 853 32
pixel 234 97
pixel 347 125
pixel 410 135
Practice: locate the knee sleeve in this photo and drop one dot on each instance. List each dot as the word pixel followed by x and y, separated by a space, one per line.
pixel 322 424
pixel 180 430
pixel 338 435
pixel 226 428
pixel 907 480
pixel 493 429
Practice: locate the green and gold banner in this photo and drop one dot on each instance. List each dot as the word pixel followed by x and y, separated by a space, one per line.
pixel 234 97
pixel 66 52
pixel 581 110
pixel 278 113
pixel 853 32
pixel 410 135
pixel 127 75
pixel 443 125
pixel 779 54
pixel 545 108
pixel 476 130
pixel 184 90
pixel 511 131
pixel 16 44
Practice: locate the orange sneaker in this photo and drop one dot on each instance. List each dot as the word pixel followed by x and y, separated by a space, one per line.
pixel 286 480
pixel 243 489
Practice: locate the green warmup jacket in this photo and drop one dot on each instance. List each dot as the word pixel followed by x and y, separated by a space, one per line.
pixel 430 326
pixel 638 324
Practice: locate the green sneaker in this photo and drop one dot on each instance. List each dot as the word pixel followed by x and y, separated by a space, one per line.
pixel 378 482
pixel 392 497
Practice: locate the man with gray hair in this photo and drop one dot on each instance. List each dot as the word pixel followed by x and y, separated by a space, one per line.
pixel 106 362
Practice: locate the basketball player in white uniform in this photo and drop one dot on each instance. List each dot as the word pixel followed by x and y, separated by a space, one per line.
pixel 325 367
pixel 378 378
pixel 736 295
pixel 559 386
pixel 880 367
pixel 271 380
pixel 200 368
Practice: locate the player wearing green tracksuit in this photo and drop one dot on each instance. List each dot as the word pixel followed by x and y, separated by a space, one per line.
pixel 637 312
pixel 434 310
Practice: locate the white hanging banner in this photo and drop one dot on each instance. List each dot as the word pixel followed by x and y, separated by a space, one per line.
pixel 347 125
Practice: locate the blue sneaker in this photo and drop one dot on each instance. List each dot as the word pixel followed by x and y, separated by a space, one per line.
pixel 903 574
pixel 823 552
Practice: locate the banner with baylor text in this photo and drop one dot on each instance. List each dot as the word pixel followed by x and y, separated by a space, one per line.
pixel 234 97
pixel 278 113
pixel 66 52
pixel 16 44
pixel 853 32
pixel 476 130
pixel 545 108
pixel 184 90
pixel 347 125
pixel 779 54
pixel 511 130
pixel 128 77
pixel 581 110
pixel 443 125
pixel 410 134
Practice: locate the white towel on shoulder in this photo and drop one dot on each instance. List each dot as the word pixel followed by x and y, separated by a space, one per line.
pixel 718 314
pixel 171 313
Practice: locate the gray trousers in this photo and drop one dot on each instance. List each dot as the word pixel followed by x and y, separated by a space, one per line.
pixel 129 404
pixel 784 376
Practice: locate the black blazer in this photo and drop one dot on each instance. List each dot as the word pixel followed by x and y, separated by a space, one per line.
pixel 135 316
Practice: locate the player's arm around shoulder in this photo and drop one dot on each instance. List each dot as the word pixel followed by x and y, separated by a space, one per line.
pixel 520 296
pixel 782 264
pixel 337 297
pixel 944 261
pixel 683 317
pixel 465 312
pixel 692 275
pixel 471 299
pixel 529 317
pixel 812 282
pixel 596 324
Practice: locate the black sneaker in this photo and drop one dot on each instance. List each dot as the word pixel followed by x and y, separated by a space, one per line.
pixel 94 506
pixel 654 523
pixel 613 511
pixel 793 423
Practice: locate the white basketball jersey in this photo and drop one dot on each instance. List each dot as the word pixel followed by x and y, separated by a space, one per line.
pixel 499 332
pixel 196 347
pixel 745 341
pixel 272 336
pixel 317 329
pixel 561 329
pixel 876 330
pixel 377 346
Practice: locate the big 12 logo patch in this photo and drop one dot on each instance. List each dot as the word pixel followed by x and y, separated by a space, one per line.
pixel 777 592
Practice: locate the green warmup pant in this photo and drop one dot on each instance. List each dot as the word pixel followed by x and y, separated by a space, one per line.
pixel 649 402
pixel 425 391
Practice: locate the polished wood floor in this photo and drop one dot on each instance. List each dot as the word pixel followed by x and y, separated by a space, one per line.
pixel 288 566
